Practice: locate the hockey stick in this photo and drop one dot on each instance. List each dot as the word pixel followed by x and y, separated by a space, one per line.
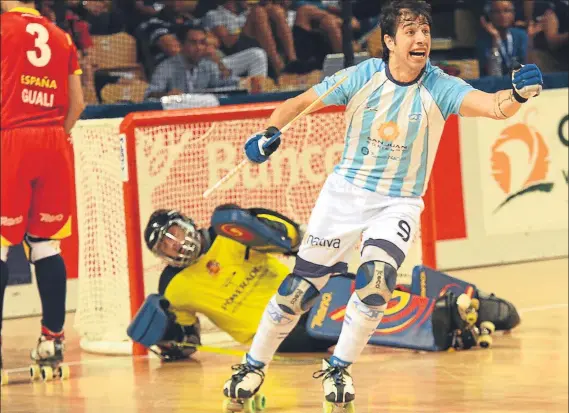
pixel 230 174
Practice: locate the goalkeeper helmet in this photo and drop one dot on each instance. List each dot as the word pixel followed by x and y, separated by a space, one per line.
pixel 173 237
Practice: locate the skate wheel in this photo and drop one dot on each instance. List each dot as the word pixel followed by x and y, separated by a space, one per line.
pixel 339 407
pixel 63 372
pixel 475 303
pixel 239 405
pixel 35 373
pixel 46 373
pixel 471 318
pixel 485 341
pixel 489 326
pixel 463 302
pixel 3 378
pixel 260 402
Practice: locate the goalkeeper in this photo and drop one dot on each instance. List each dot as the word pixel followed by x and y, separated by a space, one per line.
pixel 229 271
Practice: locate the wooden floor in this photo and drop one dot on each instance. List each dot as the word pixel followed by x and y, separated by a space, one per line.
pixel 525 371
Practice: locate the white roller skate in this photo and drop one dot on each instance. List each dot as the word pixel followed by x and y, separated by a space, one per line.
pixel 48 357
pixel 241 390
pixel 339 392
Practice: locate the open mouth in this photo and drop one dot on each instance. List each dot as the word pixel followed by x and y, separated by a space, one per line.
pixel 417 54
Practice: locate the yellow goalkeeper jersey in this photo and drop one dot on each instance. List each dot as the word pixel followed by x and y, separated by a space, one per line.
pixel 228 288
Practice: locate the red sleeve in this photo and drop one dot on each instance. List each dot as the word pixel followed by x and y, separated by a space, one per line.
pixel 74 68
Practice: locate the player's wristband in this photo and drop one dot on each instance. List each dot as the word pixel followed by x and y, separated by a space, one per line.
pixel 517 96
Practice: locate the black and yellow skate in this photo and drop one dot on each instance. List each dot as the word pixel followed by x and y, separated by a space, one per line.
pixel 456 323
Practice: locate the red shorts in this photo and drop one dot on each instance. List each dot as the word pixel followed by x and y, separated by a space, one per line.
pixel 36 184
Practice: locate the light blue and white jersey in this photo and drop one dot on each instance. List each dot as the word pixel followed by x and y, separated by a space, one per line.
pixel 393 129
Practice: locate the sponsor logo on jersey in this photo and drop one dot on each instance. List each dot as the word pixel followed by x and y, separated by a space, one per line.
pixel 415 117
pixel 11 221
pixel 213 267
pixel 323 242
pixel 244 287
pixel 45 217
pixel 388 131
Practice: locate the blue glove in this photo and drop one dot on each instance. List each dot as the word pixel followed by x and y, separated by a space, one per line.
pixel 256 148
pixel 527 82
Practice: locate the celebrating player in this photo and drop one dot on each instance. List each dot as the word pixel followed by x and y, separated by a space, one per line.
pixel 396 109
pixel 41 101
pixel 228 272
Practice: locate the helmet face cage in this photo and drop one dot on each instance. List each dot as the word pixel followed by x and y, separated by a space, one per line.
pixel 177 241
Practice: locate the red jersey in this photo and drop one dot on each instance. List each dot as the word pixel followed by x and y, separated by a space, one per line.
pixel 37 58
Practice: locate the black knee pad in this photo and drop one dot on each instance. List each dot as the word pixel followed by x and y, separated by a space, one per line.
pixel 296 295
pixel 375 282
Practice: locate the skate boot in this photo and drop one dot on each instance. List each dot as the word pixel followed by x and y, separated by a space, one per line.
pixel 339 392
pixel 456 324
pixel 48 357
pixel 3 373
pixel 241 390
pixel 500 312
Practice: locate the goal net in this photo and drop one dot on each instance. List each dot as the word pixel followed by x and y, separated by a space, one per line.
pixel 127 168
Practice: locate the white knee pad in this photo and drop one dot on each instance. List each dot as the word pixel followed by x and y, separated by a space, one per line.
pixel 44 248
pixel 4 253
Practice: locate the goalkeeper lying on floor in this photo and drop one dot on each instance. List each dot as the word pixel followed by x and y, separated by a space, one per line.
pixel 228 273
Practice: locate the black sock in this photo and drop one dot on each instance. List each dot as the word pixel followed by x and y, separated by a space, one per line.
pixel 51 277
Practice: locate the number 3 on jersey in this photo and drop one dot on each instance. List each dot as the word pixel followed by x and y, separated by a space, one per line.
pixel 39 58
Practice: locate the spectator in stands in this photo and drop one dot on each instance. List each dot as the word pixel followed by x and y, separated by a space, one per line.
pixel 251 63
pixel 318 29
pixel 162 41
pixel 500 43
pixel 188 71
pixel 157 35
pixel 79 32
pixel 551 45
pixel 240 27
pixel 103 16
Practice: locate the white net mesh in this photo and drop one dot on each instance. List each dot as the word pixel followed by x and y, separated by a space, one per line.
pixel 103 304
pixel 176 163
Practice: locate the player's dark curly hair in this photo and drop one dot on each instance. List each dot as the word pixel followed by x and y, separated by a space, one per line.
pixel 392 13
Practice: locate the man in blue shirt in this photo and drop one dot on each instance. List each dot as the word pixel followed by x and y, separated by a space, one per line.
pixel 500 43
pixel 396 108
pixel 188 71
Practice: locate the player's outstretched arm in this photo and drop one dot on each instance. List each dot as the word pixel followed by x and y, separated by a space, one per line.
pixel 527 82
pixel 287 110
pixel 76 102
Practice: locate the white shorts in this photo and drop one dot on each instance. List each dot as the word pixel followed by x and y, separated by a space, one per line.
pixel 343 215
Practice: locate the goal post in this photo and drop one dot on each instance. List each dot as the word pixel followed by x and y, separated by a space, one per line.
pixel 166 159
